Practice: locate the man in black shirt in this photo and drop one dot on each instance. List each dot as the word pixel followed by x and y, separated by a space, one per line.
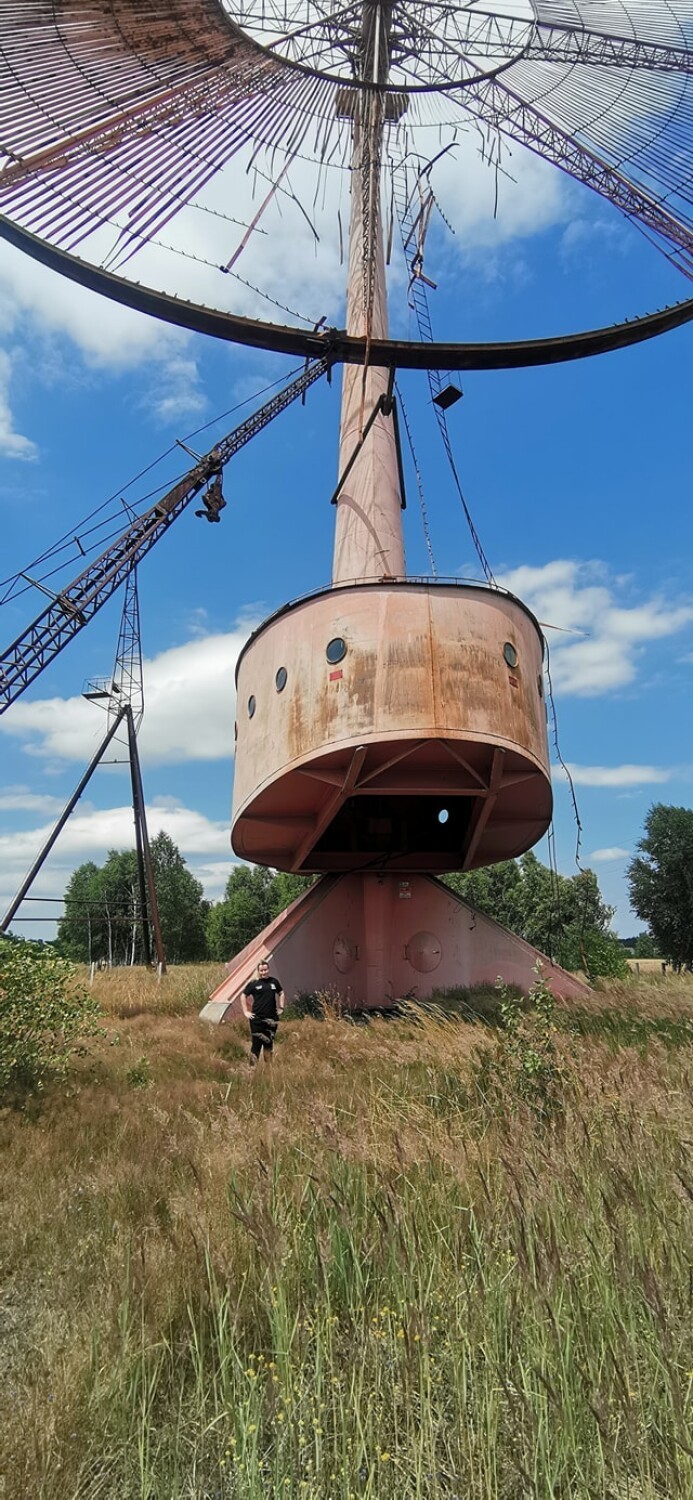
pixel 263 1005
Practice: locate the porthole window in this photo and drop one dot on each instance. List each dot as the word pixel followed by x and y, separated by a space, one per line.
pixel 336 650
pixel 280 680
pixel 443 815
pixel 251 705
pixel 510 654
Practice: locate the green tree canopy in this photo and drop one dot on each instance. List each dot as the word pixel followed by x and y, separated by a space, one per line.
pixel 102 919
pixel 661 881
pixel 183 910
pixel 645 946
pixel 565 917
pixel 254 896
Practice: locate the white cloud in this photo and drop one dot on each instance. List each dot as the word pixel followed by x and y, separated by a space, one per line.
pixel 611 776
pixel 605 856
pixel 89 834
pixel 107 334
pixel 20 799
pixel 12 443
pixel 177 392
pixel 487 208
pixel 38 302
pixel 582 597
pixel 190 701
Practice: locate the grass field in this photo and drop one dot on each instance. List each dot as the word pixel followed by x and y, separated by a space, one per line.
pixel 376 1269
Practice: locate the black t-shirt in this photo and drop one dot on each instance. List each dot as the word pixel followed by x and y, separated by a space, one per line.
pixel 262 994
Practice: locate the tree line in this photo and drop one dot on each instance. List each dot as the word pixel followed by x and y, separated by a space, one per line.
pixel 102 921
pixel 564 916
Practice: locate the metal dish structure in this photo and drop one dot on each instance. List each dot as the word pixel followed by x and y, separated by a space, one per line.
pixel 385 725
pixel 128 131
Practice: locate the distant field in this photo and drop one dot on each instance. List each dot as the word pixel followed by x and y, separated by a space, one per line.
pixel 380 1269
pixel 644 965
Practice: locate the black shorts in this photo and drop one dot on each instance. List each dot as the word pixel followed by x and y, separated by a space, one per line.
pixel 262 1034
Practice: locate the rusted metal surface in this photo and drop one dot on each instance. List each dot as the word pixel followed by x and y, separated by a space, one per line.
pixel 112 113
pixel 368 532
pixel 353 761
pixel 373 939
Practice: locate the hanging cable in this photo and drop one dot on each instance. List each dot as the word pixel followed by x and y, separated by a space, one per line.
pixel 419 483
pixel 576 812
pixel 418 300
pixel 443 427
pixel 559 757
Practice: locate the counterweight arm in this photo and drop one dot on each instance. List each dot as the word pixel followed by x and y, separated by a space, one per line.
pixel 72 609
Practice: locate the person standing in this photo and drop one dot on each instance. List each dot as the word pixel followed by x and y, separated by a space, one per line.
pixel 262 1002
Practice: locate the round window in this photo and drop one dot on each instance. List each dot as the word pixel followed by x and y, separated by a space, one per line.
pixel 510 654
pixel 280 680
pixel 336 650
pixel 251 706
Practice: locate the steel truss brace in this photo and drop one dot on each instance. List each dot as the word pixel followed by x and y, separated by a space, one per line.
pixel 72 609
pixel 501 36
pixel 499 107
pixel 145 869
pixel 550 41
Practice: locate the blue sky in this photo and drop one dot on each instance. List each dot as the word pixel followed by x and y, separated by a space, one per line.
pixel 577 476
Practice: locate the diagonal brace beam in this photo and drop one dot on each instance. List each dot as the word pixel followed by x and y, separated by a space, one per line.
pixel 500 107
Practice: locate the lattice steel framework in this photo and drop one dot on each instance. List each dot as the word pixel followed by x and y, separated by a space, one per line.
pixel 117 117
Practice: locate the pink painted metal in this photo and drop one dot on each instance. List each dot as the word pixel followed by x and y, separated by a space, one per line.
pixel 373 939
pixel 422 748
pixel 368 534
pixel 386 724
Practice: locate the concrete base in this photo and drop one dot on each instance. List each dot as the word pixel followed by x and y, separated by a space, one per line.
pixel 374 939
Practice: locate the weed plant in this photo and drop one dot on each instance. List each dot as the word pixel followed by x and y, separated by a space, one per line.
pixel 350 1274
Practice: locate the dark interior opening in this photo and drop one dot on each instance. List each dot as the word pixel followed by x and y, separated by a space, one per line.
pixel 397 826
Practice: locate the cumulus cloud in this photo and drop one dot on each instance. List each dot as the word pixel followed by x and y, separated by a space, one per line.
pixel 106 333
pixel 611 776
pixel 583 597
pixel 37 302
pixel 20 799
pixel 190 700
pixel 606 856
pixel 488 209
pixel 89 834
pixel 12 443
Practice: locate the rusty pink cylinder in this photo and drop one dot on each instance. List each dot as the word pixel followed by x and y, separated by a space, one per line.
pixel 368 530
pixel 399 726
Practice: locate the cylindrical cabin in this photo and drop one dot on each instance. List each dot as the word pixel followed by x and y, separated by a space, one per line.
pixel 397 726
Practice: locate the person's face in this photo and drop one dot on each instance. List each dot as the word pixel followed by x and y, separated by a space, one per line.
pixel 263 970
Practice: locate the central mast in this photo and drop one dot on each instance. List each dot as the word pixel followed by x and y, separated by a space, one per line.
pixel 368 541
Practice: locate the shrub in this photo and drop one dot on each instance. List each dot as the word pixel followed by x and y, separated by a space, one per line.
pixel 139 1076
pixel 43 1014
pixel 308 1004
pixel 525 1067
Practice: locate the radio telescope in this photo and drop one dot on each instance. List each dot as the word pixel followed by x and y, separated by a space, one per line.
pixel 389 728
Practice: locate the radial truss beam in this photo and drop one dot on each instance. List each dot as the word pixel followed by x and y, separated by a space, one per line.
pixel 499 106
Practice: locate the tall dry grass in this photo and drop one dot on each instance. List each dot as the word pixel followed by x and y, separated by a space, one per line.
pixel 127 992
pixel 351 1275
